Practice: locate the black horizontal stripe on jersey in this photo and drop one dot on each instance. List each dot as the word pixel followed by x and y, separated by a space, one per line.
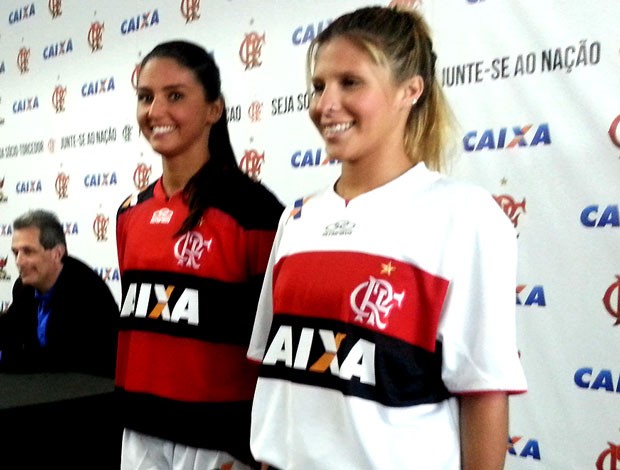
pixel 404 374
pixel 223 425
pixel 226 310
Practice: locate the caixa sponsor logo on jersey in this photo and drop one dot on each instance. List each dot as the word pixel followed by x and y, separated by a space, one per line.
pixel 161 302
pixel 527 135
pixel 598 216
pixel 358 362
pixel 523 447
pixel 591 378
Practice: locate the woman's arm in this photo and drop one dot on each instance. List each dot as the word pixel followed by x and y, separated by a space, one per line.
pixel 484 430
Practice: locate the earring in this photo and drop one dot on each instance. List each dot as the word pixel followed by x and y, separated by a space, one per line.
pixel 414 101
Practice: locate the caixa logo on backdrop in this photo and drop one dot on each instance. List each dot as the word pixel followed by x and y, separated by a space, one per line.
pixel 306 33
pixel 527 135
pixel 598 216
pixel 100 227
pixel 108 274
pixel 310 157
pixel 21 14
pixel 523 448
pixel 528 296
pixel 591 378
pixel 145 20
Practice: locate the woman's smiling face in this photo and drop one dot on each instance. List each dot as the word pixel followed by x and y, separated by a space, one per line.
pixel 355 104
pixel 173 112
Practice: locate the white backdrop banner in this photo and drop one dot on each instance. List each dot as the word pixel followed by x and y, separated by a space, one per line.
pixel 535 87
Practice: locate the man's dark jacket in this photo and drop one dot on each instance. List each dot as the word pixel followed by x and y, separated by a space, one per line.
pixel 81 330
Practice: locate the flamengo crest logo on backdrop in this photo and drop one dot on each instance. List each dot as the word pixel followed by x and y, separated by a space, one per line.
pixel 251 163
pixel 251 49
pixel 411 4
pixel 614 131
pixel 95 36
pixel 3 197
pixel 62 185
pixel 611 300
pixel 100 227
pixel 255 110
pixel 609 459
pixel 58 98
pixel 23 60
pixel 141 176
pixel 55 7
pixel 190 9
pixel 511 207
pixel 4 276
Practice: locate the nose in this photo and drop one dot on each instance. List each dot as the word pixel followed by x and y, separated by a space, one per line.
pixel 19 259
pixel 156 107
pixel 328 100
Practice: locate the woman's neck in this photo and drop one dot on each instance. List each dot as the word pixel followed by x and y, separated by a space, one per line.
pixel 178 171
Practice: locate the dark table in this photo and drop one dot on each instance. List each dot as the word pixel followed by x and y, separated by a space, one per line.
pixel 58 420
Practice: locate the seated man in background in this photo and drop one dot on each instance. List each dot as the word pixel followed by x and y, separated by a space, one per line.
pixel 63 315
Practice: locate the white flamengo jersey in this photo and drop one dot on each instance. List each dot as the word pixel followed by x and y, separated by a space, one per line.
pixel 374 316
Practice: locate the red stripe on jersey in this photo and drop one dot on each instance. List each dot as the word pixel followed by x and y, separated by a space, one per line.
pixel 183 369
pixel 382 294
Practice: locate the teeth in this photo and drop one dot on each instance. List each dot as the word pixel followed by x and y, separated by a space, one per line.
pixel 162 129
pixel 336 128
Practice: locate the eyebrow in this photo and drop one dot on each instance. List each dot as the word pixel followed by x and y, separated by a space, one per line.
pixel 174 86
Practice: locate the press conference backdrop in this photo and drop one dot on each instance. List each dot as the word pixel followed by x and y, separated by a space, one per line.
pixel 535 87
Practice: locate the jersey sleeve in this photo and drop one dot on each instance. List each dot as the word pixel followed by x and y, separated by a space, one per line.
pixel 264 313
pixel 478 329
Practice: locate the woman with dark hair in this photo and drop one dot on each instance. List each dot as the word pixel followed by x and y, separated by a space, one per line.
pixel 192 249
pixel 398 351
